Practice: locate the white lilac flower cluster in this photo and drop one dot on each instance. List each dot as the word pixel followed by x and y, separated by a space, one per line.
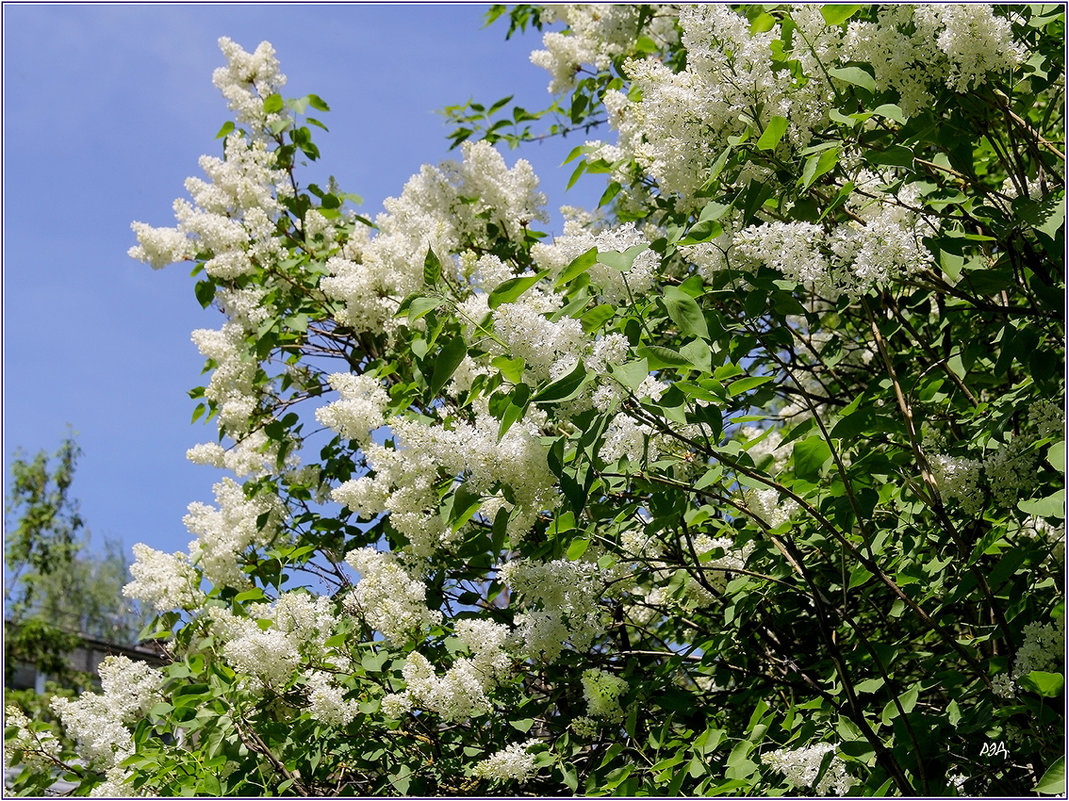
pixel 550 349
pixel 268 655
pixel 163 581
pixel 1010 470
pixel 462 691
pixel 958 478
pixel 275 639
pixel 512 763
pixel 716 573
pixel 224 533
pixel 402 481
pixel 1002 686
pixel 232 216
pixel 253 453
pixel 172 581
pixel 1048 417
pixel 770 506
pixel 615 285
pixel 1043 648
pixel 232 382
pixel 98 723
pixel 402 484
pixel 307 620
pixel 444 209
pixel 326 700
pixel 33 748
pixel 361 409
pixel 560 602
pixel 386 597
pixel 912 47
pixel 881 246
pixel 627 438
pixel 716 570
pixel 801 767
pixel 247 80
pixel 598 33
pixel 683 120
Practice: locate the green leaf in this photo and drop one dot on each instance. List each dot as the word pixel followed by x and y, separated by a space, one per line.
pixel 854 75
pixel 1056 456
pixel 432 268
pixel 773 132
pixel 658 357
pixel 465 504
pixel 511 369
pixel 817 165
pixel 563 388
pixel 577 549
pixel 908 699
pixel 708 741
pixel 1051 506
pixel 685 312
pixel 1053 779
pixel 953 713
pixel 869 685
pixel 512 413
pixel 891 112
pixel 700 355
pixel 809 457
pixel 702 231
pixel 744 384
pixel 762 23
pixel 255 594
pixel 727 370
pixel 838 13
pixel 422 306
pixel 739 764
pixel 631 374
pixel 318 103
pixel 447 361
pixel 1049 685
pixel 570 778
pixel 1047 215
pixel 205 292
pixel 273 103
pixel 580 264
pixel 373 663
pixel 508 291
pixel 621 261
pixel 893 156
pixel 401 780
pixel 597 317
pixel 228 126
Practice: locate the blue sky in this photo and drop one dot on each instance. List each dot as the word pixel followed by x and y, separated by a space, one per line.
pixel 106 110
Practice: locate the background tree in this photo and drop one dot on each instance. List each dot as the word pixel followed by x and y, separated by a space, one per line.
pixel 58 585
pixel 749 482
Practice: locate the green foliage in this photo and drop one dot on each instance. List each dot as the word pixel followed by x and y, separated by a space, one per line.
pixel 822 504
pixel 57 584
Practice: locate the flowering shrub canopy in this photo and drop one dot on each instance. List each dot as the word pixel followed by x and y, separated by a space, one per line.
pixel 749 482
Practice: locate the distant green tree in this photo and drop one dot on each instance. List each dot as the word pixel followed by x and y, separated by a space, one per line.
pixel 58 586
